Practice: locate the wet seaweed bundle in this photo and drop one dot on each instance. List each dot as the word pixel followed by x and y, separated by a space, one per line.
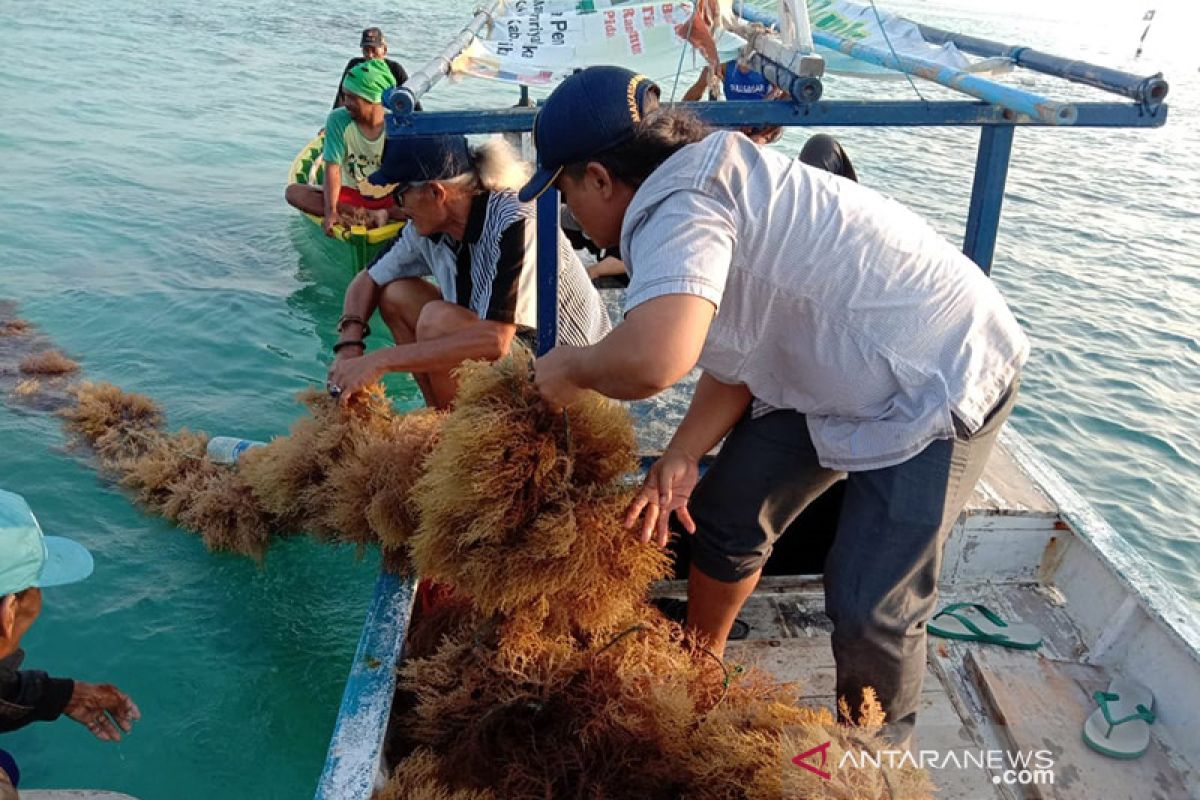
pixel 33 374
pixel 342 474
pixel 552 676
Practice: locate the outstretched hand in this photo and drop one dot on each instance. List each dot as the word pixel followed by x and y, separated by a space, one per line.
pixel 103 709
pixel 666 491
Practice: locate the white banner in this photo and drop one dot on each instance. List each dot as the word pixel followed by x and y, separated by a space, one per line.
pixel 860 23
pixel 538 42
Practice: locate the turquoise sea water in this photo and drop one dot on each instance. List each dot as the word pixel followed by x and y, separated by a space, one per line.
pixel 143 228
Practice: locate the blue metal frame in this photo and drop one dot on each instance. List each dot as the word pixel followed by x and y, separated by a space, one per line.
pixel 547 279
pixel 987 194
pixel 842 113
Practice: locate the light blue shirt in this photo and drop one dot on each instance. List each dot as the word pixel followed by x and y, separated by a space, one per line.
pixel 831 299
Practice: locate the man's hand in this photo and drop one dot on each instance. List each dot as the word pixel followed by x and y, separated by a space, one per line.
pixel 553 377
pixel 666 491
pixel 329 221
pixel 353 373
pixel 97 706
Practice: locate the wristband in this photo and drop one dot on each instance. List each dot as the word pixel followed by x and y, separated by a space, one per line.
pixel 348 343
pixel 341 324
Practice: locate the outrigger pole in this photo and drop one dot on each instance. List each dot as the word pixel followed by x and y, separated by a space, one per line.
pixel 403 99
pixel 1025 104
pixel 1148 91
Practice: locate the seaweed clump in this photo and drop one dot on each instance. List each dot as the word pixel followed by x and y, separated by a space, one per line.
pixel 548 674
pixel 342 473
pixel 551 675
pixel 50 362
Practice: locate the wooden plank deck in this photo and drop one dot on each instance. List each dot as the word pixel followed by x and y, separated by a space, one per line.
pixel 976 699
pixel 980 699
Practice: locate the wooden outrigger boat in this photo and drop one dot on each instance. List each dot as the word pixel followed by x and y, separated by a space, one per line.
pixel 362 243
pixel 1027 545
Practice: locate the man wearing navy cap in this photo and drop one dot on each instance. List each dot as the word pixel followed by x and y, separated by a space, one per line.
pixel 468 231
pixel 839 337
pixel 30 562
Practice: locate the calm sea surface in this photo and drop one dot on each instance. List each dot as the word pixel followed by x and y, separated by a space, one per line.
pixel 143 227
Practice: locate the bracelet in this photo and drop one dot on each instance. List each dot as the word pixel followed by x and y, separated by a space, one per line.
pixel 348 343
pixel 366 329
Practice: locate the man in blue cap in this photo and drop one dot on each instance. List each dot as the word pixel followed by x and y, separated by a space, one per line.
pixel 839 337
pixel 30 562
pixel 468 231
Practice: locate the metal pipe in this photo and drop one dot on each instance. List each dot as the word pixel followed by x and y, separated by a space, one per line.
pixel 987 194
pixel 402 100
pixel 1149 91
pixel 1023 103
pixel 846 113
pixel 547 270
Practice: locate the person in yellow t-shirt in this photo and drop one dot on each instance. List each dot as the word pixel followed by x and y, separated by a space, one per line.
pixel 354 137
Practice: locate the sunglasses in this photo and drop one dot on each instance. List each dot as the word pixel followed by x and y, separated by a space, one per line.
pixel 398 193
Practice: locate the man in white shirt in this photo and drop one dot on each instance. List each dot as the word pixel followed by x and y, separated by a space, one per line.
pixel 838 335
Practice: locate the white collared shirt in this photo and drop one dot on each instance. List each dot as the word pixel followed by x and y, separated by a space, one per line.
pixel 831 299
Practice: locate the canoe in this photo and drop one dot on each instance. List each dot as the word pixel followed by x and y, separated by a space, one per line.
pixel 360 243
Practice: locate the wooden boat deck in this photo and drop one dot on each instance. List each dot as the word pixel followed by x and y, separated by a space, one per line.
pixel 982 697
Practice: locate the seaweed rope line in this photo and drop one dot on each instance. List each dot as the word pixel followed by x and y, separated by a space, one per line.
pixel 899 66
pixel 727 674
pixel 564 442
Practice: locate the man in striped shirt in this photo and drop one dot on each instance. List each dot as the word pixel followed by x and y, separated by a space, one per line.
pixel 466 229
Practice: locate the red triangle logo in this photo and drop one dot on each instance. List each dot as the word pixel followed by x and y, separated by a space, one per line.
pixel 801 760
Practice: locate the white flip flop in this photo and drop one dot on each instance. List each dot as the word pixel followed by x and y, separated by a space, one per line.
pixel 1120 727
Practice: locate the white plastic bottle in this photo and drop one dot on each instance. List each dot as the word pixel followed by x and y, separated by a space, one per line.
pixel 228 449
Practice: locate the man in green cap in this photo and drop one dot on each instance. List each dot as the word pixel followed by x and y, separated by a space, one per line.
pixel 354 137
pixel 30 562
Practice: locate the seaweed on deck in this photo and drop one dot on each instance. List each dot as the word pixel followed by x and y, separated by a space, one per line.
pixel 548 674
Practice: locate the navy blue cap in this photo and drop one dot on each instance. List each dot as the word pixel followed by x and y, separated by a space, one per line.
pixel 412 159
pixel 591 111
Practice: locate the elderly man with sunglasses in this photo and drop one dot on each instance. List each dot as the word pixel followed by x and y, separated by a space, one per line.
pixel 468 231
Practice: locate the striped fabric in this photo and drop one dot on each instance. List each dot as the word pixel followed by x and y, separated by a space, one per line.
pixel 493 271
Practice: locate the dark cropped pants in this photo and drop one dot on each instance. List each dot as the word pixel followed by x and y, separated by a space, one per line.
pixel 882 569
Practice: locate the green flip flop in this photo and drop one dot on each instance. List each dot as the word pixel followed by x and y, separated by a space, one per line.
pixel 973 622
pixel 1120 727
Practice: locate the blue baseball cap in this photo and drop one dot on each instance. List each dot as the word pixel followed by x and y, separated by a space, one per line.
pixel 412 159
pixel 28 558
pixel 594 110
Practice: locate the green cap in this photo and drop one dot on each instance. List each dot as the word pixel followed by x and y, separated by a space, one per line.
pixel 369 79
pixel 28 558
